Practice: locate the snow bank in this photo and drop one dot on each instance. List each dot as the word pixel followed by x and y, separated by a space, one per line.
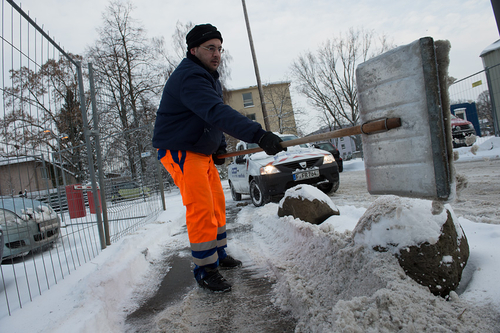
pixel 482 149
pixel 483 267
pixel 398 223
pixel 96 296
pixel 330 284
pixel 310 193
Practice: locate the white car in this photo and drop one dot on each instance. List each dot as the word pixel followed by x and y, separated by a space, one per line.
pixel 266 177
pixel 28 225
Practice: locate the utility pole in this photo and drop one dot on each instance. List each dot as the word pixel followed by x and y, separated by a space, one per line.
pixel 256 66
pixel 496 11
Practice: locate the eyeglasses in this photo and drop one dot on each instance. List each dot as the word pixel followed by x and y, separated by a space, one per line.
pixel 213 49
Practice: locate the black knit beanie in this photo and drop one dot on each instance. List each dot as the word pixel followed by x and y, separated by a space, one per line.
pixel 200 34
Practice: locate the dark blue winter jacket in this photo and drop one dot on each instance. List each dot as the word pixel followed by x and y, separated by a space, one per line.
pixel 192 115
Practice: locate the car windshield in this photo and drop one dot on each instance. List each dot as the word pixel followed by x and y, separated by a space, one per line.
pixel 325 146
pixel 8 217
pixel 19 205
pixel 293 137
pixel 284 138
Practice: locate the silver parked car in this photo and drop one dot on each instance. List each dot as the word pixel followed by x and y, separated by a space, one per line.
pixel 27 225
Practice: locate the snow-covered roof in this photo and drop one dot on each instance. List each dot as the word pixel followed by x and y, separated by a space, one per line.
pixel 491 48
pixel 16 160
pixel 264 85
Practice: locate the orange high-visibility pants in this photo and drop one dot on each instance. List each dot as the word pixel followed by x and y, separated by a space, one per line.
pixel 198 180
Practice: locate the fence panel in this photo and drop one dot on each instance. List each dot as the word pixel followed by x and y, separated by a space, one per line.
pixel 48 214
pixel 474 90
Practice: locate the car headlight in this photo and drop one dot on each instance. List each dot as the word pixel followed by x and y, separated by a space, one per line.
pixel 328 159
pixel 269 170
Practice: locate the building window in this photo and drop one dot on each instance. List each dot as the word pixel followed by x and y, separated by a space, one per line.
pixel 342 146
pixel 251 116
pixel 247 100
pixel 460 113
pixel 44 173
pixel 342 139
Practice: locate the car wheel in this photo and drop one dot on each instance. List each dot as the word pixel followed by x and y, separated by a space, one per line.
pixel 236 196
pixel 335 186
pixel 329 187
pixel 258 197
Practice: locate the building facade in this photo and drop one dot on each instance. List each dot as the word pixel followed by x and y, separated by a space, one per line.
pixel 30 174
pixel 278 105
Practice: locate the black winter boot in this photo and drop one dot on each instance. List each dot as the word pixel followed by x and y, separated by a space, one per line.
pixel 213 281
pixel 229 262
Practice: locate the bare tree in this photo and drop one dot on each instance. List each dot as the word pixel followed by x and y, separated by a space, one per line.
pixel 327 77
pixel 42 105
pixel 279 107
pixel 179 39
pixel 484 109
pixel 129 77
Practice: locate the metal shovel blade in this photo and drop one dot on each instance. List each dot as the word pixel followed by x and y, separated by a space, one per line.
pixel 412 160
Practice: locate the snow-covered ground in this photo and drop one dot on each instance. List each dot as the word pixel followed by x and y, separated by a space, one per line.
pixel 327 281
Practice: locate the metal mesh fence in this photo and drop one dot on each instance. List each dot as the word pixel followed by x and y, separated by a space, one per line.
pixel 474 90
pixel 70 182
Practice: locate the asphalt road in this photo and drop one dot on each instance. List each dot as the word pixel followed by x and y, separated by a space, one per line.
pixel 477 197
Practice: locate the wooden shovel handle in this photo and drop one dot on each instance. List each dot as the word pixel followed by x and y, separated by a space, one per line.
pixel 366 128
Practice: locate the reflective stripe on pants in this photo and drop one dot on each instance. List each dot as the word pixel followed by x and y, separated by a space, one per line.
pixel 201 189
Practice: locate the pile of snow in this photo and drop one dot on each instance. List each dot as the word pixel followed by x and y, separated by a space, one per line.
pixel 309 193
pixel 485 148
pixel 402 223
pixel 332 284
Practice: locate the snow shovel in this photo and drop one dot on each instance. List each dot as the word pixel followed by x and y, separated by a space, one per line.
pixel 369 127
pixel 415 160
pixel 401 90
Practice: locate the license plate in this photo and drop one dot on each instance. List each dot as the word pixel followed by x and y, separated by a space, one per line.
pixel 305 174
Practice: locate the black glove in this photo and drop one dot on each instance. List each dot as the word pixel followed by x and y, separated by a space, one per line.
pixel 219 161
pixel 270 142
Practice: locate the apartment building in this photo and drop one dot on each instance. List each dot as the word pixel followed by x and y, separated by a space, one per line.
pixel 278 105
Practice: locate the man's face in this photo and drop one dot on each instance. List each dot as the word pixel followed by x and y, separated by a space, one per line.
pixel 211 60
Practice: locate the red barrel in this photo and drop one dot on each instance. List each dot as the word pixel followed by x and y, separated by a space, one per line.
pixel 76 204
pixel 92 205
